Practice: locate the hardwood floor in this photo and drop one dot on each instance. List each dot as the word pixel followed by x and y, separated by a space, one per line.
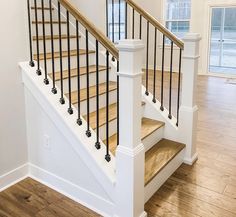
pixel 206 189
pixel 209 187
pixel 29 198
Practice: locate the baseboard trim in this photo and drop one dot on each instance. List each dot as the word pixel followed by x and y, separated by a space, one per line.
pixel 13 177
pixel 72 191
pixel 191 161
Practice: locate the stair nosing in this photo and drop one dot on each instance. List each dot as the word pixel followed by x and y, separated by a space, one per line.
pixel 103 68
pixel 64 54
pixel 150 133
pixel 100 93
pixel 40 8
pixel 55 37
pixel 167 162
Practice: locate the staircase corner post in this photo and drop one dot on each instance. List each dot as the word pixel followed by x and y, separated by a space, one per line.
pixel 130 154
pixel 188 108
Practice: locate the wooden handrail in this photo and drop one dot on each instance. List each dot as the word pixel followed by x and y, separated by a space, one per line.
pixel 156 24
pixel 92 29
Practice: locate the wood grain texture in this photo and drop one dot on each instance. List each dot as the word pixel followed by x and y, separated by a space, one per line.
pixel 49 22
pixel 149 126
pixel 209 187
pixel 159 156
pixel 92 29
pixel 30 198
pixel 205 189
pixel 156 23
pixel 40 8
pixel 83 92
pixel 55 37
pixel 102 116
pixel 83 71
pixel 64 54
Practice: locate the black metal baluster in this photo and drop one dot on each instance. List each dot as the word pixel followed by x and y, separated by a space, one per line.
pixel 107 18
pixel 62 100
pixel 113 22
pixel 70 110
pixel 54 90
pixel 126 20
pixel 107 157
pixel 79 120
pixel 133 24
pixel 171 71
pixel 97 145
pixel 31 62
pixel 162 73
pixel 46 81
pixel 179 81
pixel 118 104
pixel 147 56
pixel 140 27
pixel 38 71
pixel 88 132
pixel 155 70
pixel 119 19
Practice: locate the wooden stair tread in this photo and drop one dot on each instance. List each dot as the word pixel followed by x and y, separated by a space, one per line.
pixel 49 22
pixel 40 8
pixel 64 54
pixel 102 116
pixel 55 37
pixel 83 71
pixel 159 156
pixel 148 127
pixel 92 90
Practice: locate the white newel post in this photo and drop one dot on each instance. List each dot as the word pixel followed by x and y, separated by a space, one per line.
pixel 188 109
pixel 130 152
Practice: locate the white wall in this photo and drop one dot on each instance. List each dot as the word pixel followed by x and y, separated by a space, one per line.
pixel 200 23
pixel 13 48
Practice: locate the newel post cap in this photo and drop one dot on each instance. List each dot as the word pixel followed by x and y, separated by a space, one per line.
pixel 130 45
pixel 192 37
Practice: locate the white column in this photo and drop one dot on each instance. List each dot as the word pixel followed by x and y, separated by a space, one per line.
pixel 188 109
pixel 130 154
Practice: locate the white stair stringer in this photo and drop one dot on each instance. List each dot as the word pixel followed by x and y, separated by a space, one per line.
pixel 152 111
pixel 83 146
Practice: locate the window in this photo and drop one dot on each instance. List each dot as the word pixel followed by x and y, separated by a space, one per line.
pixel 116 20
pixel 178 13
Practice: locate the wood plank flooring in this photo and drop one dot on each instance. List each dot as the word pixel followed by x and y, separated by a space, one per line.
pixel 207 189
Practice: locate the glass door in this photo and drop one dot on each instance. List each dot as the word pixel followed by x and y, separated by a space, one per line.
pixel 223 41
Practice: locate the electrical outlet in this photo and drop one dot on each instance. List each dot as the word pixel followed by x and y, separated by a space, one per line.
pixel 46 143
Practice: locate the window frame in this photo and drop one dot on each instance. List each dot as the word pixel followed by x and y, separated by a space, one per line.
pixel 116 23
pixel 165 20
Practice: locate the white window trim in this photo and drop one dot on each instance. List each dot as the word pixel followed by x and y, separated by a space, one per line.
pixel 164 20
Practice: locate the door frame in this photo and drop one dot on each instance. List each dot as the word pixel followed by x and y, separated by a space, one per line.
pixel 206 55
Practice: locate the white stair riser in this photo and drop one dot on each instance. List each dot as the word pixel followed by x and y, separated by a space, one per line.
pixel 73 62
pixel 55 29
pixel 112 130
pixel 153 139
pixel 93 104
pixel 163 175
pixel 83 80
pixel 73 45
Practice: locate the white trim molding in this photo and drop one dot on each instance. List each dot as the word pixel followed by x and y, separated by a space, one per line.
pixel 13 177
